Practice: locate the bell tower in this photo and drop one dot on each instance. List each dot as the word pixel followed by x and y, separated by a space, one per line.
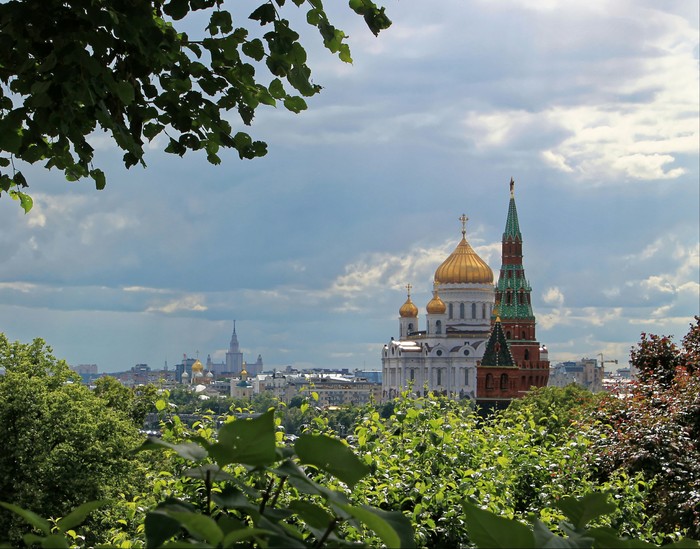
pixel 514 305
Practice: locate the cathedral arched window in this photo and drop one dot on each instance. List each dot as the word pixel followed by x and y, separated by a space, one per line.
pixel 524 335
pixel 413 374
pixel 410 328
pixel 438 327
pixel 483 310
pixel 439 376
pixel 489 381
pixel 449 309
pixel 504 381
pixel 473 310
pixel 466 376
pixel 461 310
pixel 527 354
pixel 508 335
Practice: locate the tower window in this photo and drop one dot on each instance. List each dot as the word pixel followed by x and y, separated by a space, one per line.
pixel 489 381
pixel 504 381
pixel 527 354
pixel 438 327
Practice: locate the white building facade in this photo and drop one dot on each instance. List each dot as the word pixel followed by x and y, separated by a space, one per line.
pixel 443 356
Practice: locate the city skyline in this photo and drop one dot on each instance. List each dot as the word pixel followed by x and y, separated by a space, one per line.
pixel 591 109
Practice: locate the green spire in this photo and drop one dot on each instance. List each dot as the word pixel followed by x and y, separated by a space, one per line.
pixel 497 352
pixel 512 226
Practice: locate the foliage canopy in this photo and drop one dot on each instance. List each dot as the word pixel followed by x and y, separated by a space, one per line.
pixel 129 69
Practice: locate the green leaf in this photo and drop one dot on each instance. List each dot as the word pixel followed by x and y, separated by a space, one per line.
pixel 295 104
pixel 314 515
pixel 332 456
pixel 99 177
pixel 125 92
pixel 277 89
pixel 25 201
pixel 487 530
pixel 392 527
pixel 79 514
pixel 546 539
pixel 254 49
pixel 186 450
pixel 610 539
pixel 265 14
pixel 161 405
pixel 177 9
pixel 32 518
pixel 244 533
pixel 10 138
pixel 159 528
pixel 200 526
pixel 249 441
pixel 581 511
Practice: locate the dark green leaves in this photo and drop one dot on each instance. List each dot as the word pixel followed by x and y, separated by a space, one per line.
pixel 186 450
pixel 332 456
pixel 128 70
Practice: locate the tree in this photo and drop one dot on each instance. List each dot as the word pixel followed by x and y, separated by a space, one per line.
pixel 61 446
pixel 128 68
pixel 655 430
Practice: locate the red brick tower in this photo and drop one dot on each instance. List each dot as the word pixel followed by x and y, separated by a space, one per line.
pixel 514 310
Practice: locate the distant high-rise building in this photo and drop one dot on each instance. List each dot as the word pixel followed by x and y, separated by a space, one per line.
pixel 234 357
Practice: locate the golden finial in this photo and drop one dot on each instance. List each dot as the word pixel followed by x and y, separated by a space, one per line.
pixel 463 218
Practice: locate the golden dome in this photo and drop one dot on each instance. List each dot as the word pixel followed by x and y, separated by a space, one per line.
pixel 464 266
pixel 408 309
pixel 436 306
pixel 197 366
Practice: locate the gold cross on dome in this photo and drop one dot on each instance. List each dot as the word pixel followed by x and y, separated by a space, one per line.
pixel 408 288
pixel 464 220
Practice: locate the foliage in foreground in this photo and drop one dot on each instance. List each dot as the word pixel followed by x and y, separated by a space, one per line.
pixel 129 70
pixel 533 472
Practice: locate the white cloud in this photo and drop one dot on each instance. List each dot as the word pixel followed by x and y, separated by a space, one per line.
pixel 183 304
pixel 553 296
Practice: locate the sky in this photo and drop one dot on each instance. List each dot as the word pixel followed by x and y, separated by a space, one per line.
pixel 592 107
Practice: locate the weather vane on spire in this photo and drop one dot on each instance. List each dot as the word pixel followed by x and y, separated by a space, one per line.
pixel 512 186
pixel 464 220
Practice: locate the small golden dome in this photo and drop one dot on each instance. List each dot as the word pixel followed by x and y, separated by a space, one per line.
pixel 408 309
pixel 436 306
pixel 197 366
pixel 244 372
pixel 464 266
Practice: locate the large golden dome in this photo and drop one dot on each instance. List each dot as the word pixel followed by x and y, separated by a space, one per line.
pixel 197 366
pixel 464 266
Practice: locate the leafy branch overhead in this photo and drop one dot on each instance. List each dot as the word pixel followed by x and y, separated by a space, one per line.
pixel 128 69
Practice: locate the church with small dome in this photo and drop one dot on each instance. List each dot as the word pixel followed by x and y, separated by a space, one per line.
pixel 446 355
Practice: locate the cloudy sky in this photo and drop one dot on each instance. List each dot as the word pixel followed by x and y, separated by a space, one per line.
pixel 591 106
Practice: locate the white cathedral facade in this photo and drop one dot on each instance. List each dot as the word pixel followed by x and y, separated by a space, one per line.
pixel 442 357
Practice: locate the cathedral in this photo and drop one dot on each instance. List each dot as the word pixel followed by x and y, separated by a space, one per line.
pixel 479 338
